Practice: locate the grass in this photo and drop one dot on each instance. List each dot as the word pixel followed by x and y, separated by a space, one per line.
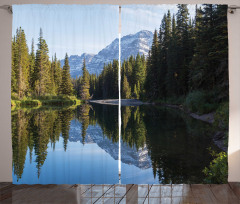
pixel 61 100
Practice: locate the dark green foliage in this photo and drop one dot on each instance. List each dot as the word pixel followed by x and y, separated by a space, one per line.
pixel 66 117
pixel 31 68
pixel 60 100
pixel 33 74
pixel 172 75
pixel 221 118
pixel 85 83
pixel 20 64
pixel 57 74
pixel 133 74
pixel 190 59
pixel 152 78
pixel 164 43
pixel 126 90
pixel 66 84
pixel 84 112
pixel 200 102
pixel 42 72
pixel 103 86
pixel 209 66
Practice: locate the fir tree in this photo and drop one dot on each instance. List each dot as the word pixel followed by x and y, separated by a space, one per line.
pixel 152 78
pixel 14 67
pixel 184 58
pixel 21 64
pixel 84 109
pixel 164 42
pixel 139 72
pixel 57 74
pixel 31 67
pixel 42 80
pixel 172 74
pixel 66 84
pixel 126 90
pixel 85 86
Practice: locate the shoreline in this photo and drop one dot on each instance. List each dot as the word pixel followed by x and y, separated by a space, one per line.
pixel 208 118
pixel 124 102
pixel 218 137
pixel 55 101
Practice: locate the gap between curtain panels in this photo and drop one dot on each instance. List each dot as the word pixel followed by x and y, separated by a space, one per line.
pixel 119 96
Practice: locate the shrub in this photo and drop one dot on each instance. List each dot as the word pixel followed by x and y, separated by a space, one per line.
pixel 13 103
pixel 29 102
pixel 217 172
pixel 200 102
pixel 14 96
pixel 47 100
pixel 221 117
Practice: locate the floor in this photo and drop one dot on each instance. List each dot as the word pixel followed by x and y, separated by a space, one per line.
pixel 181 193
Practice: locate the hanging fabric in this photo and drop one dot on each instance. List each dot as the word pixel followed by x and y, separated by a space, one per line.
pixel 108 94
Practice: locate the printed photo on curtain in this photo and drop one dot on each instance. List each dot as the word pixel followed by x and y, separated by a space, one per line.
pixel 173 87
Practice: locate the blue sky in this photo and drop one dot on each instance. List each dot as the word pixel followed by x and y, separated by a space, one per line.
pixel 76 29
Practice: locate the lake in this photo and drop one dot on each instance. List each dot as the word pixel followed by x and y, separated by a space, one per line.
pixel 80 145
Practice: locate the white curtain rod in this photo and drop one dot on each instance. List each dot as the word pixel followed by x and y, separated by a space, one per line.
pixel 231 8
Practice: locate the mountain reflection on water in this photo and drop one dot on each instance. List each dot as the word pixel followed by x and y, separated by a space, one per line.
pixel 80 145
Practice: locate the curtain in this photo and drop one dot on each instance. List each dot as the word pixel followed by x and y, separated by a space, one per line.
pixel 168 64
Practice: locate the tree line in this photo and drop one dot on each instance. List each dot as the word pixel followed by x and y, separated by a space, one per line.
pixel 187 56
pixel 105 85
pixel 33 74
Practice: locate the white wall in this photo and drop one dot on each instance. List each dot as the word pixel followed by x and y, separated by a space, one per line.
pixel 234 90
pixel 5 77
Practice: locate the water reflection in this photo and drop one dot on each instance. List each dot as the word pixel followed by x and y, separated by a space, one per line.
pixel 161 145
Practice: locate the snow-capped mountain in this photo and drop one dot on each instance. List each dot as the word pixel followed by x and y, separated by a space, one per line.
pixel 138 43
pixel 137 157
pixel 130 45
pixel 76 63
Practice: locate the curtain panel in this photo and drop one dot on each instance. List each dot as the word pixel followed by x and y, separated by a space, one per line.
pixel 102 94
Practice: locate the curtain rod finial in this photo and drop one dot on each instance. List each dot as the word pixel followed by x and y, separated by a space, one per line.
pixel 7 7
pixel 10 9
pixel 232 9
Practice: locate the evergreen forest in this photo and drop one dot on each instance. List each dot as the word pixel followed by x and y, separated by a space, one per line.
pixel 187 64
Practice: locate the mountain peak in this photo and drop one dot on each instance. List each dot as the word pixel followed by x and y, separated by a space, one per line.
pixel 143 33
pixel 131 44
